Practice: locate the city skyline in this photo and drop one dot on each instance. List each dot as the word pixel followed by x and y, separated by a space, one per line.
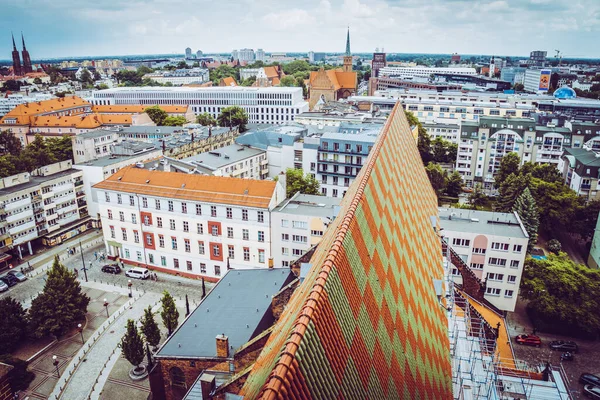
pixel 400 26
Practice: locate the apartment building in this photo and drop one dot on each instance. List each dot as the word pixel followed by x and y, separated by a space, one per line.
pixel 493 245
pixel 446 131
pixel 180 76
pixel 537 80
pixel 273 105
pixel 189 224
pixel 424 72
pixel 580 168
pixel 48 204
pixel 234 161
pixel 299 224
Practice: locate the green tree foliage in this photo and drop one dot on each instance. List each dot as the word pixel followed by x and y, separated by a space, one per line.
pixel 86 77
pixel 102 86
pixel 248 81
pixel 12 323
pixel 296 66
pixel 424 140
pixel 454 184
pixel 9 144
pixel 563 296
pixel 61 148
pixel 477 198
pixel 510 189
pixel 443 151
pixel 156 114
pixel 169 313
pixel 508 165
pixel 132 346
pixel 519 87
pixel 585 220
pixel 437 177
pixel 37 81
pixel 206 119
pixel 526 208
pixel 150 328
pixel 298 181
pixel 223 71
pixel 60 305
pixel 288 80
pixel 12 85
pixel 233 116
pixel 174 120
pixel 182 65
pixel 554 246
pixel 19 377
pixel 36 154
pixel 134 78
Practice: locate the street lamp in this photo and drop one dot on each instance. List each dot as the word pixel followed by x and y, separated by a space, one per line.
pixel 129 284
pixel 80 329
pixel 55 363
pixel 106 306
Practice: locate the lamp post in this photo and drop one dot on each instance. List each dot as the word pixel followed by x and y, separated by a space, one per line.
pixel 129 284
pixel 55 363
pixel 106 306
pixel 80 329
pixel 83 261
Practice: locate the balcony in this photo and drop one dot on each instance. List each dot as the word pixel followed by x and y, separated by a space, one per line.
pixel 78 183
pixel 586 186
pixel 80 193
pixel 20 228
pixel 17 204
pixel 19 216
pixel 26 238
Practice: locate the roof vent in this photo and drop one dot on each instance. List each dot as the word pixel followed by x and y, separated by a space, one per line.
pixel 246 191
pixel 182 185
pixel 147 180
pixel 119 178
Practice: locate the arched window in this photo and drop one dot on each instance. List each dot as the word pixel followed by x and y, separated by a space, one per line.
pixel 177 377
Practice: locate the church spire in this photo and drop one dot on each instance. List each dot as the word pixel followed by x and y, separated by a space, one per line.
pixel 348 43
pixel 23 40
pixel 14 45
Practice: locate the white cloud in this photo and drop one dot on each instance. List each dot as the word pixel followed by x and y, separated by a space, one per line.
pixel 288 19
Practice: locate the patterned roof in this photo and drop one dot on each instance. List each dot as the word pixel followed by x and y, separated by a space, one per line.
pixel 366 322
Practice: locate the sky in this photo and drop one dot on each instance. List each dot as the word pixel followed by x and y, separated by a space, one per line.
pixel 63 28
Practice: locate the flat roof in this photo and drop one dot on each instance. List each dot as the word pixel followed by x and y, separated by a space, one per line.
pixel 201 89
pixel 310 205
pixel 484 222
pixel 36 181
pixel 96 133
pixel 223 156
pixel 109 160
pixel 239 306
pixel 369 135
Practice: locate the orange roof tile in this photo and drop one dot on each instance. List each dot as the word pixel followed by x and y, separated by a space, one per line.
pixel 115 119
pixel 137 108
pixel 88 121
pixel 47 106
pixel 271 72
pixel 333 78
pixel 228 81
pixel 176 185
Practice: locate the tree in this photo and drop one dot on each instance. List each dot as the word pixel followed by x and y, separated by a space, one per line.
pixel 586 219
pixel 156 114
pixel 454 184
pixel 563 296
pixel 61 148
pixel 169 313
pixel 554 246
pixel 233 116
pixel 18 377
pixel 557 204
pixel 86 77
pixel 437 177
pixel 12 85
pixel 296 66
pixel 206 119
pixel 60 305
pixel 288 80
pixel 443 151
pixel 477 198
pixel 297 181
pixel 248 81
pixel 508 165
pixel 37 81
pixel 510 189
pixel 132 346
pixel 174 120
pixel 36 154
pixel 150 328
pixel 423 140
pixel 102 86
pixel 9 144
pixel 12 323
pixel 518 87
pixel 526 208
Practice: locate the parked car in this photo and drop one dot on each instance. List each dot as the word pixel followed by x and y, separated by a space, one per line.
pixel 9 280
pixel 18 274
pixel 589 379
pixel 529 340
pixel 3 286
pixel 592 391
pixel 138 273
pixel 564 346
pixel 111 269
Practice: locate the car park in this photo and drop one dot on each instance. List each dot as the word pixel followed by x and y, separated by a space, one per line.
pixel 3 286
pixel 9 280
pixel 563 345
pixel 111 269
pixel 529 340
pixel 591 391
pixel 138 273
pixel 19 275
pixel 589 379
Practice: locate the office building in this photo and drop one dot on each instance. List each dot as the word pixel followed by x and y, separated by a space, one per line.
pixel 188 53
pixel 180 76
pixel 11 101
pixel 424 72
pixel 190 224
pixel 537 80
pixel 244 55
pixel 493 245
pixel 274 105
pixel 513 75
pixel 537 58
pixel 378 63
pixel 259 55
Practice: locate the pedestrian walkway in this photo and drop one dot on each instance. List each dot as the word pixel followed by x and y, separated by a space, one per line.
pixel 84 378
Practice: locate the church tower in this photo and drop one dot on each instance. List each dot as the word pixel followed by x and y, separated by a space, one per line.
pixel 348 55
pixel 492 71
pixel 26 60
pixel 16 58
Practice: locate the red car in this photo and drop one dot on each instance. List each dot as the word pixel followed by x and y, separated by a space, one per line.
pixel 530 340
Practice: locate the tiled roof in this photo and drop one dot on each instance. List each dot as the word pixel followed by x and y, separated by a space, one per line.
pixel 89 121
pixel 338 79
pixel 228 81
pixel 271 72
pixel 202 188
pixel 366 322
pixel 42 107
pixel 136 108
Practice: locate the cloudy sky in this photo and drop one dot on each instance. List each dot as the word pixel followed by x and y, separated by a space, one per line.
pixel 62 28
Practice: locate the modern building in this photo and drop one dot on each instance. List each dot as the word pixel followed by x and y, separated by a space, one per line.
pixel 493 245
pixel 188 53
pixel 580 168
pixel 537 80
pixel 513 75
pixel 446 131
pixel 189 224
pixel 299 224
pixel 274 105
pixel 259 55
pixel 315 57
pixel 234 161
pixel 537 58
pixel 246 55
pixel 424 72
pixel 180 77
pixel 378 63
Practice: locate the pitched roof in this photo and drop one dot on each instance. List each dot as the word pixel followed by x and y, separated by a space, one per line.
pixel 88 121
pixel 137 108
pixel 366 322
pixel 333 79
pixel 271 72
pixel 177 185
pixel 46 106
pixel 228 81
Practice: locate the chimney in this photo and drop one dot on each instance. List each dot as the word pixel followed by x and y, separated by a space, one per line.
pixel 222 346
pixel 271 263
pixel 207 385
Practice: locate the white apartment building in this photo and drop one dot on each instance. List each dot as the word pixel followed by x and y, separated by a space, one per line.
pixel 533 80
pixel 11 101
pixel 189 224
pixel 180 76
pixel 493 245
pixel 93 144
pixel 259 55
pixel 423 72
pixel 246 73
pixel 234 161
pixel 271 105
pixel 446 131
pixel 299 224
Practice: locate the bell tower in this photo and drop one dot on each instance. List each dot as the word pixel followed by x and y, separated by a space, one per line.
pixel 26 59
pixel 348 54
pixel 16 59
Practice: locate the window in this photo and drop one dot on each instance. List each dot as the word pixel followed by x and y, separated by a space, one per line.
pixel 149 240
pixel 200 247
pixel 508 293
pixel 136 237
pixel 500 262
pixel 285 251
pixel 188 265
pixel 151 258
pixel 495 277
pixel 214 230
pixel 478 250
pixel 107 197
pixel 461 242
pixel 172 224
pixel 200 229
pixel 124 233
pixel 157 204
pixel 163 261
pixel 297 252
pixel 285 237
pixel 174 243
pixel 126 253
pixel 261 236
pixel 492 291
pixel 261 256
pixel 316 233
pixel 138 255
pixel 159 222
pixel 131 201
pixel 109 212
pixel 186 226
pixel 231 252
pixel 170 203
pixel 514 263
pixel 299 239
pixel 500 246
pixel 161 241
pixel 217 270
pixel 299 224
pixel 261 216
pixel 202 268
pixel 245 215
pixel 213 211
pixel 176 263
pixel 119 198
pixel 285 223
pixel 245 234
pixel 285 263
pixel 112 232
pixel 476 266
pixel 229 213
pixel 184 211
pixel 512 279
pixel 246 254
pixel 216 251
pixel 198 209
pixel 121 216
pixel 517 248
pixel 188 247
pixel 145 202
pixel 134 218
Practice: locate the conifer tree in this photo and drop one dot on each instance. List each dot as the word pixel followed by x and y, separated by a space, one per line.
pixel 61 304
pixel 12 323
pixel 169 313
pixel 527 209
pixel 150 328
pixel 132 346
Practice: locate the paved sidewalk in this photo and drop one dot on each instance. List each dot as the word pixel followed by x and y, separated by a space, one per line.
pixel 81 383
pixel 46 255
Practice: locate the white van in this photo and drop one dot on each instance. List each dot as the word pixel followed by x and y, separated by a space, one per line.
pixel 138 273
